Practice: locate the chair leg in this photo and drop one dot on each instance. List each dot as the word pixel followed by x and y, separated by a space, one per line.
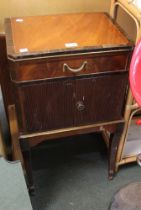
pixel 2 145
pixel 16 149
pixel 20 148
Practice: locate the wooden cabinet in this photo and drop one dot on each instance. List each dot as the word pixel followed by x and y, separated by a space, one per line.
pixel 68 78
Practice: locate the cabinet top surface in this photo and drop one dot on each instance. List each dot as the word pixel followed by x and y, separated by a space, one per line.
pixel 41 35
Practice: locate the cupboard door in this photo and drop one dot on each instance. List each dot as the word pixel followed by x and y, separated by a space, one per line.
pixel 100 99
pixel 45 106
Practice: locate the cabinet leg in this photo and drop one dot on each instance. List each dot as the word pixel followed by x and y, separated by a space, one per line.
pixel 114 143
pixel 28 164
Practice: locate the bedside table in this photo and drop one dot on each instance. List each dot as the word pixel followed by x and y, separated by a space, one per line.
pixel 70 76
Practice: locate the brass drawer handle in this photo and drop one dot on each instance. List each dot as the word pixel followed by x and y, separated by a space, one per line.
pixel 66 67
pixel 80 106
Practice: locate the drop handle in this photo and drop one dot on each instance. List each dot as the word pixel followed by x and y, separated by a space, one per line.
pixel 67 67
pixel 80 106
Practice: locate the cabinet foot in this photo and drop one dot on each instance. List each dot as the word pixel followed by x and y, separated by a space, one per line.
pixel 28 164
pixel 114 143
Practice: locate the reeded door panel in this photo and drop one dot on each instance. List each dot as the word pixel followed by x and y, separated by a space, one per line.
pixel 45 106
pixel 100 99
pixel 66 103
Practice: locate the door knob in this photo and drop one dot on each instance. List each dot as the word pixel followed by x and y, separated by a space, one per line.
pixel 80 105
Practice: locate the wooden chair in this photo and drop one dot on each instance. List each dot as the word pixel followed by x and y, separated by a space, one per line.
pixel 12 181
pixel 129 7
pixel 2 145
pixel 6 85
pixel 131 108
pixel 7 92
pixel 129 196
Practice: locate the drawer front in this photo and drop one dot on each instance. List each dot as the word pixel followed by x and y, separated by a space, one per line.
pixel 69 66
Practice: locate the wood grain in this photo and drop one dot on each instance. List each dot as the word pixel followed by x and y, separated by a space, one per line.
pixel 16 149
pixel 46 106
pixel 52 103
pixel 100 96
pixel 2 145
pixel 31 70
pixel 5 81
pixel 42 34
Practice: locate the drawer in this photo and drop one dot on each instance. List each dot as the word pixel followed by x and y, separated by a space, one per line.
pixel 69 66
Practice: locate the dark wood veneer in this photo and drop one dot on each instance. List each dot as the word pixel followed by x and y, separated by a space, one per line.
pixel 53 67
pixel 53 104
pixel 5 81
pixel 45 106
pixel 101 98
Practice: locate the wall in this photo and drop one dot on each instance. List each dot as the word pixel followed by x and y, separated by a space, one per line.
pixel 42 7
